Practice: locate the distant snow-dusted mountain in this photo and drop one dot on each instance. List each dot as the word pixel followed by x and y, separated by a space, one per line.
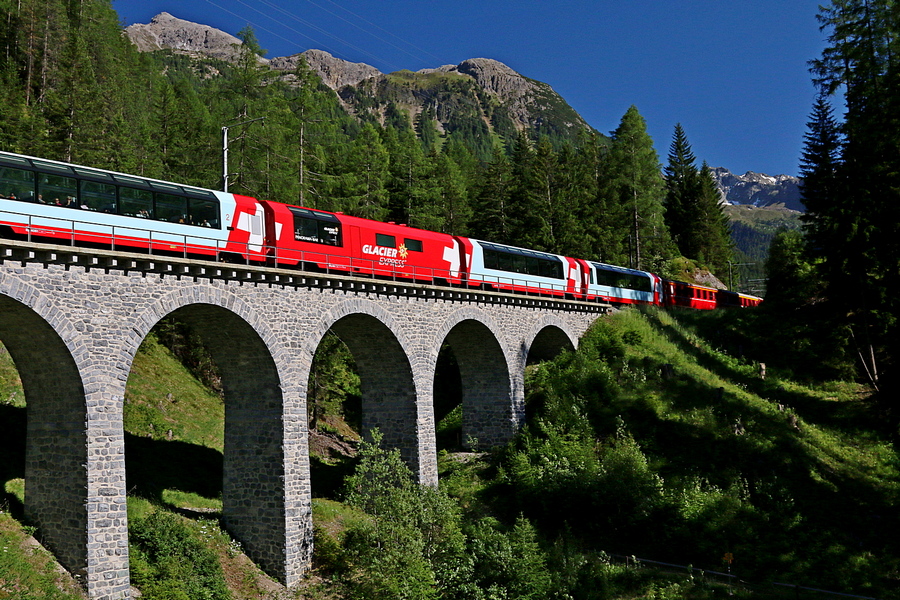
pixel 759 189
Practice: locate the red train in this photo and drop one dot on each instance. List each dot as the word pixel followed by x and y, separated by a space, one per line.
pixel 57 202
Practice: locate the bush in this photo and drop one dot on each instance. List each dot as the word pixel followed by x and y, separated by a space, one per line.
pixel 412 546
pixel 509 564
pixel 169 561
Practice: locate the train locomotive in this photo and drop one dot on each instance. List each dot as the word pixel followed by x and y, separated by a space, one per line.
pixel 57 202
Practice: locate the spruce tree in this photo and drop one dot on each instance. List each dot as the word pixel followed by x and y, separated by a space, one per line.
pixel 492 220
pixel 524 203
pixel 856 223
pixel 682 186
pixel 820 172
pixel 711 236
pixel 634 187
pixel 361 190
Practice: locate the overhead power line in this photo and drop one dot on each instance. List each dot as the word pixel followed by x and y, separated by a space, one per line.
pixel 315 41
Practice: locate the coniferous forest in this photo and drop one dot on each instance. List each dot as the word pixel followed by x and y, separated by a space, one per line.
pixel 659 460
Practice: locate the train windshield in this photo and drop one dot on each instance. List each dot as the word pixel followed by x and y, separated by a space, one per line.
pixel 316 227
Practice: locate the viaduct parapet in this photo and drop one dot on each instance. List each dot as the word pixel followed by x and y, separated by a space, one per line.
pixel 73 319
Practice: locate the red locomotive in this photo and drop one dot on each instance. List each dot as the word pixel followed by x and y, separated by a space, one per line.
pixel 60 202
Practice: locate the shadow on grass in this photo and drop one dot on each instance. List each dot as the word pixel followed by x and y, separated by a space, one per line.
pixel 855 417
pixel 156 465
pixel 12 456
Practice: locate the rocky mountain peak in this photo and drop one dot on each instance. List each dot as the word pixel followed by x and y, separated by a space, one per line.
pixel 167 32
pixel 759 189
pixel 496 78
pixel 335 73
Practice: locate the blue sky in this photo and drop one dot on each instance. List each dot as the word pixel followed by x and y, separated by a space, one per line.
pixel 733 72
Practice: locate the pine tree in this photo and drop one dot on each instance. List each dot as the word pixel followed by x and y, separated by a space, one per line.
pixel 820 168
pixel 408 172
pixel 361 188
pixel 576 185
pixel 711 236
pixel 634 187
pixel 856 222
pixel 524 213
pixel 682 186
pixel 453 200
pixel 545 193
pixel 307 110
pixel 492 221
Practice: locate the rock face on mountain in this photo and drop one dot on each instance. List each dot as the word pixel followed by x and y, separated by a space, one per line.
pixel 526 101
pixel 758 189
pixel 167 32
pixel 335 73
pixel 477 94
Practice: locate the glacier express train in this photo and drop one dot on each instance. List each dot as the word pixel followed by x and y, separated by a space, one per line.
pixel 56 202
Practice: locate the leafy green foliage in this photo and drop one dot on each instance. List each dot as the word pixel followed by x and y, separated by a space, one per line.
pixel 697 472
pixel 509 563
pixel 333 390
pixel 413 545
pixel 170 562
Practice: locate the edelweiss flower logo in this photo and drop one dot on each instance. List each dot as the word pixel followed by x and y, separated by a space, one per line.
pixel 403 251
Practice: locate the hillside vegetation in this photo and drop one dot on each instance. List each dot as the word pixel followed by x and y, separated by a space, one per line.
pixel 752 230
pixel 656 439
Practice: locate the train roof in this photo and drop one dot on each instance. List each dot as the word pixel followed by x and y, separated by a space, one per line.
pixel 517 250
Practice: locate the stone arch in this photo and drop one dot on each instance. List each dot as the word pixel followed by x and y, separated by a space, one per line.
pixel 391 386
pixel 74 467
pixel 547 338
pixel 492 411
pixel 265 486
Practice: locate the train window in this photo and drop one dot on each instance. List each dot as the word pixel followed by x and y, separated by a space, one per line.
pixel 506 262
pixel 165 187
pixel 51 167
pixel 92 174
pixel 413 245
pixel 640 283
pixel 306 230
pixel 98 196
pixel 520 261
pixel 316 227
pixel 16 184
pixel 329 233
pixel 135 203
pixel 170 208
pixel 58 190
pixel 387 241
pixel 204 213
pixel 490 259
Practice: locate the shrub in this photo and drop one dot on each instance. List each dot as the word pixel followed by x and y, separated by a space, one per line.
pixel 413 546
pixel 170 562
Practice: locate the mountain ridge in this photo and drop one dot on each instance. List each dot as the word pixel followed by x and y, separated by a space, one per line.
pixel 759 189
pixel 502 101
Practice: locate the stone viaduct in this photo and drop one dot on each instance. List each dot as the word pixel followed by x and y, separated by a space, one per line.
pixel 73 319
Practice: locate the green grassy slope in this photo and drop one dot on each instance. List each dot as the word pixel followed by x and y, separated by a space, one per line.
pixel 799 483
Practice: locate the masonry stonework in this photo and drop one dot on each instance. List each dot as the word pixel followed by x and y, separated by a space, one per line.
pixel 73 320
